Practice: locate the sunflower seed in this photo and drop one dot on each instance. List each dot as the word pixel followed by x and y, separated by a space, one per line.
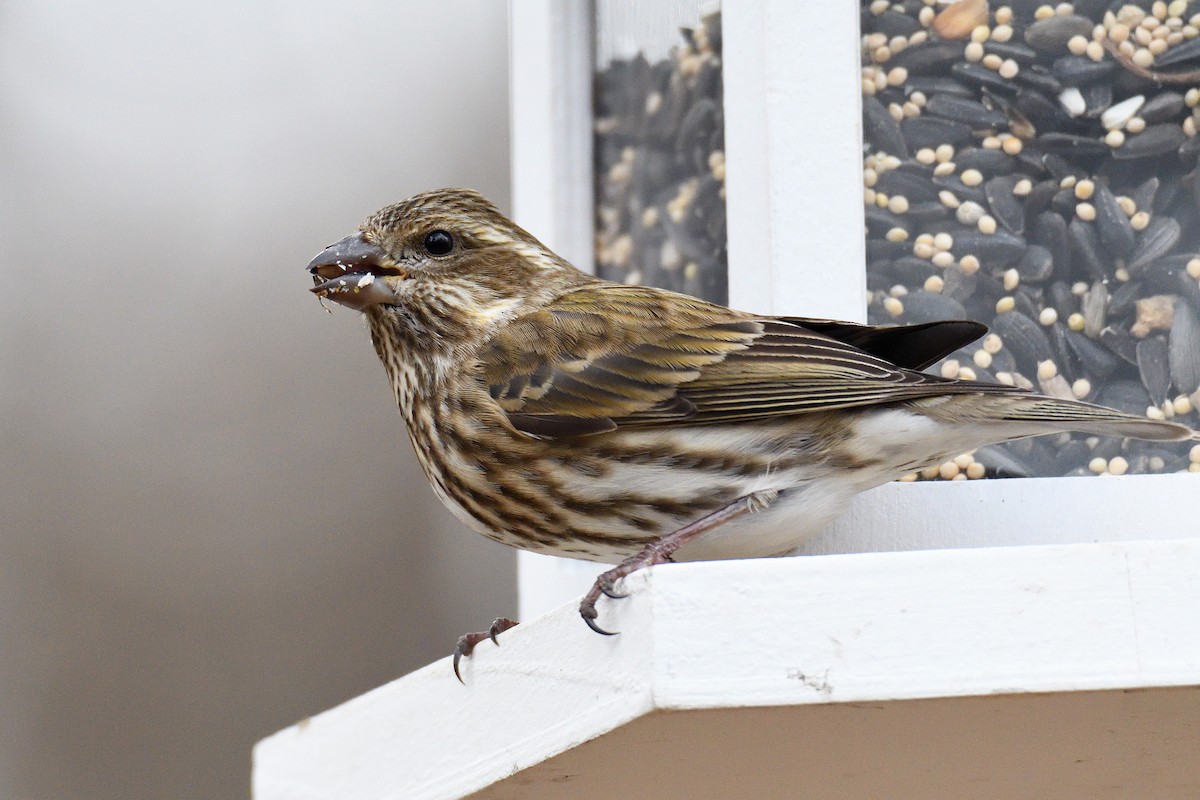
pixel 968 112
pixel 1050 231
pixel 921 132
pixel 1036 266
pixel 1143 196
pixel 1162 107
pixel 1024 338
pixel 929 58
pixel 1064 202
pixel 1038 200
pixel 953 183
pixel 1156 140
pixel 1064 356
pixel 1059 298
pixel 1020 53
pixel 925 213
pixel 1088 250
pixel 1156 241
pixel 1040 111
pixel 1000 249
pixel 1095 309
pixel 1153 368
pixel 1120 343
pixel 1097 97
pixel 922 306
pixel 879 221
pixel 1184 284
pixel 1112 223
pixel 894 23
pixel 1188 152
pixel 1072 101
pixel 1095 360
pixel 1056 386
pixel 915 187
pixel 884 249
pixel 1128 396
pixel 1004 204
pixel 1060 169
pixel 1080 70
pixel 977 75
pixel 1072 145
pixel 1051 35
pixel 959 284
pixel 1185 350
pixel 1122 299
pixel 1184 53
pixel 929 85
pixel 989 162
pixel 1116 116
pixel 912 271
pixel 1037 77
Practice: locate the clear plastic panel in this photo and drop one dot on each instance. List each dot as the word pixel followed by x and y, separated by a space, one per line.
pixel 659 146
pixel 1033 167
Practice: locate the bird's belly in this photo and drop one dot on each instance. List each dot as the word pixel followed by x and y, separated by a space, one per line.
pixel 797 515
pixel 604 498
pixel 651 483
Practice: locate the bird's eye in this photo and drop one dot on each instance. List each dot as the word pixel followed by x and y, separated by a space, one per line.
pixel 438 243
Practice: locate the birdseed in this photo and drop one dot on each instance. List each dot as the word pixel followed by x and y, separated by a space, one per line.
pixel 1090 279
pixel 659 142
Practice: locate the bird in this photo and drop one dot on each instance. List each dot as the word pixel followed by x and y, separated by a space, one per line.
pixel 564 414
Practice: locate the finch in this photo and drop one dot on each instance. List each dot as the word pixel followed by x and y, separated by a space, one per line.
pixel 563 414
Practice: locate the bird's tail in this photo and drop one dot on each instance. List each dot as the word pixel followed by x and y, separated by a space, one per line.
pixel 1049 415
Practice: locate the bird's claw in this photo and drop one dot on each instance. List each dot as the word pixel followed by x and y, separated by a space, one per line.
pixel 463 648
pixel 604 585
pixel 466 642
pixel 607 586
pixel 588 612
pixel 499 626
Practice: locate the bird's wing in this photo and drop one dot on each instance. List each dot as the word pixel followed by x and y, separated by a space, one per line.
pixel 608 356
pixel 908 346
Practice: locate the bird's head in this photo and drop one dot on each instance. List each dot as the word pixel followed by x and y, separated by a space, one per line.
pixel 446 262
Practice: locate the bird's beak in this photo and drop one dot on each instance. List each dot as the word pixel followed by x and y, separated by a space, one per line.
pixel 348 272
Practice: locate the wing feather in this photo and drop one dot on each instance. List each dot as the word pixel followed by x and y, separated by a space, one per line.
pixel 606 356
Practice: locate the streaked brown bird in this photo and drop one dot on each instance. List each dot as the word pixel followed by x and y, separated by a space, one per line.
pixel 564 414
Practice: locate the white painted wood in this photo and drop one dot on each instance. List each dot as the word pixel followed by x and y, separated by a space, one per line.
pixel 550 72
pixel 805 673
pixel 793 154
pixel 955 514
pixel 1029 511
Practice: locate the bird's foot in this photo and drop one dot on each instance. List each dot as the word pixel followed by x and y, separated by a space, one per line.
pixel 661 550
pixel 654 553
pixel 466 642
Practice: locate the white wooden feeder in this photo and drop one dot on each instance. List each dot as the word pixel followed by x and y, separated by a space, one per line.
pixel 984 639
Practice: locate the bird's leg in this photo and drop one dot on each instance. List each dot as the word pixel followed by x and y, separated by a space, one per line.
pixel 660 551
pixel 467 642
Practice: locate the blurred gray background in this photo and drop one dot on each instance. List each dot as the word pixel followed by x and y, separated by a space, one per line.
pixel 211 522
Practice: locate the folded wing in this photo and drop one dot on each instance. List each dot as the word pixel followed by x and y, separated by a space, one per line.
pixel 608 356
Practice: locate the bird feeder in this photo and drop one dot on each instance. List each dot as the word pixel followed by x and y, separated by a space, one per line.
pixel 902 163
pixel 883 162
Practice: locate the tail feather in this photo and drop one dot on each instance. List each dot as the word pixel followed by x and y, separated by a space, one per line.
pixel 1071 415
